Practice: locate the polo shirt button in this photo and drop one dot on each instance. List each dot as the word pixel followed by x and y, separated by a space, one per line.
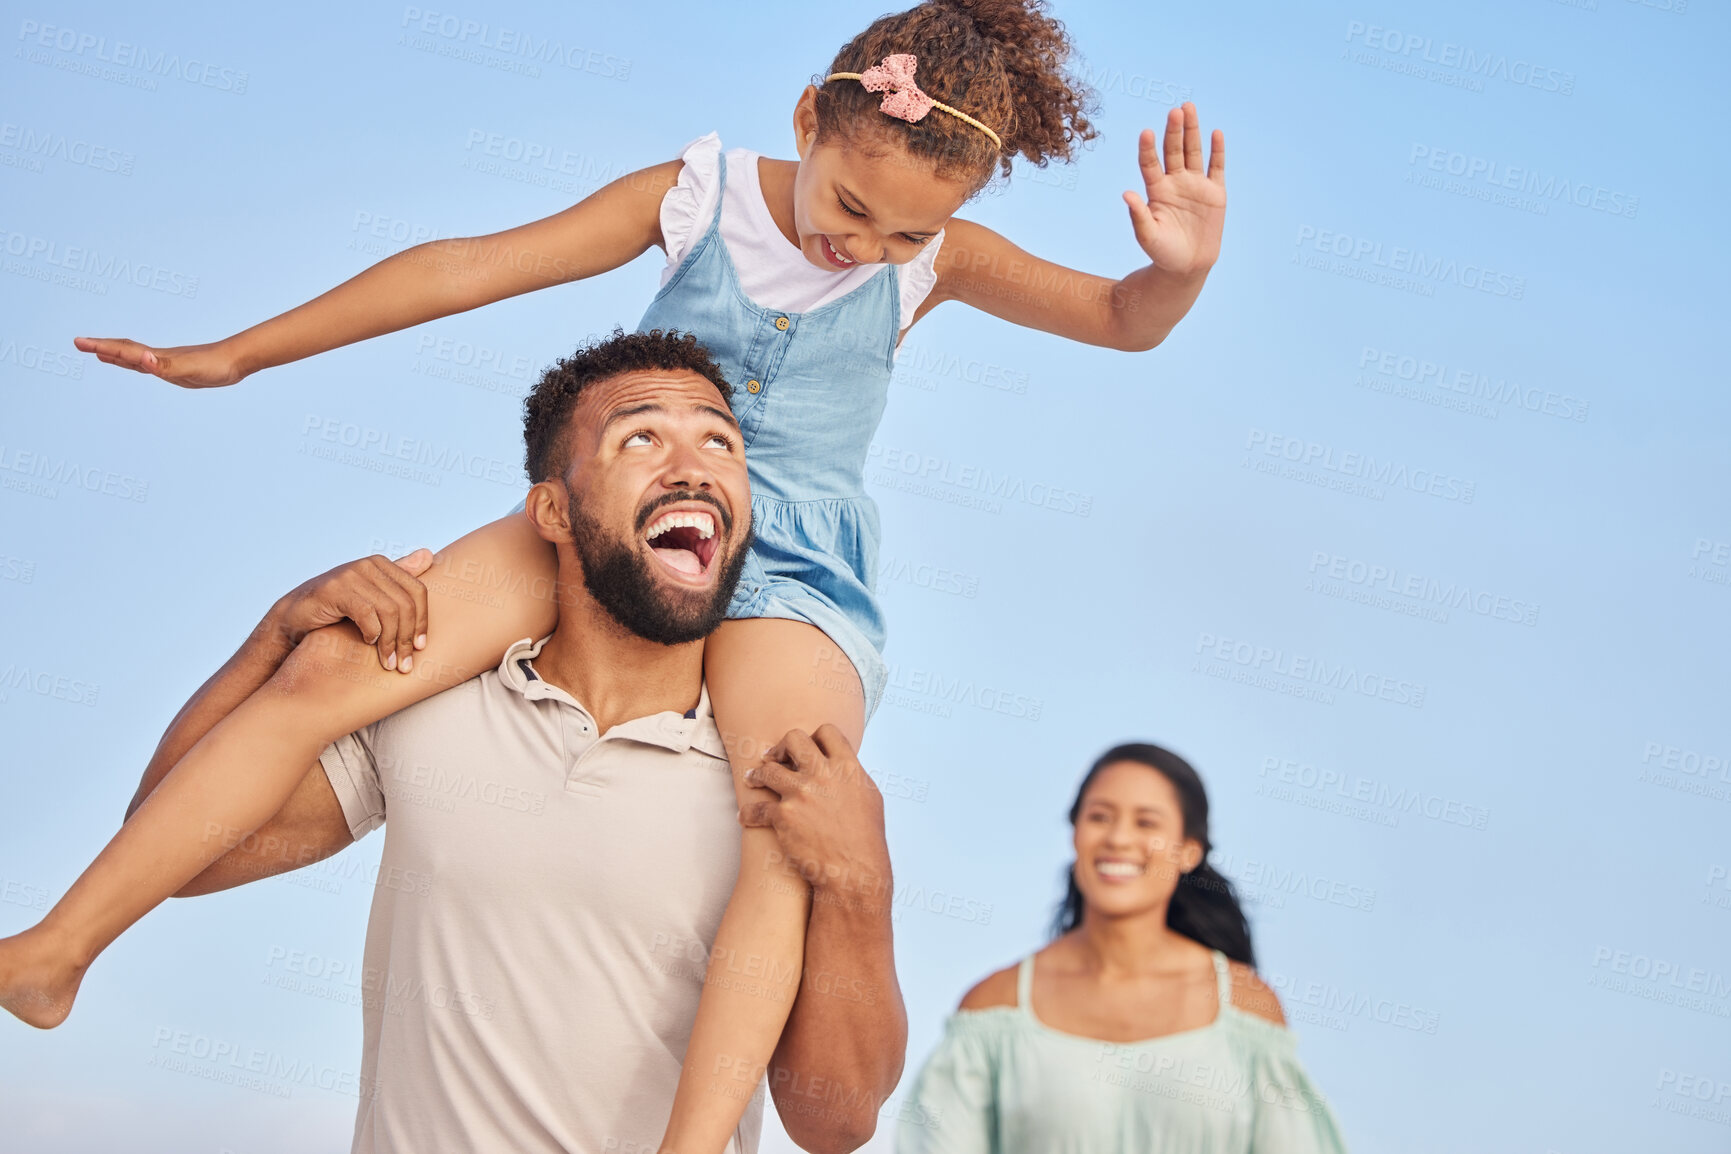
pixel 781 323
pixel 754 386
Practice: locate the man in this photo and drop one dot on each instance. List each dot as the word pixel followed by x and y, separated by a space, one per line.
pixel 563 832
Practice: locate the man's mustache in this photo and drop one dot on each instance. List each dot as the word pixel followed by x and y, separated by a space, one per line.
pixel 647 513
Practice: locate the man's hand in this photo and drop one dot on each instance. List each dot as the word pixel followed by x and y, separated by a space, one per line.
pixel 384 599
pixel 828 815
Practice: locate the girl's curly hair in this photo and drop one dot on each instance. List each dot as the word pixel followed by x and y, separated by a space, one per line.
pixel 1000 61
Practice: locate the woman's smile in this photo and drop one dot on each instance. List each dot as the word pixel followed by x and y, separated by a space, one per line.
pixel 1113 870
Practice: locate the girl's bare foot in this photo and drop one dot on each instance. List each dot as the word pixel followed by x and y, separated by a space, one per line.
pixel 38 979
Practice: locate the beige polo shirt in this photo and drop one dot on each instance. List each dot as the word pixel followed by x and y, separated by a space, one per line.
pixel 546 899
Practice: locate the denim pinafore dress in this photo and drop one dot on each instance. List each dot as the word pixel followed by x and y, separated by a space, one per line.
pixel 808 391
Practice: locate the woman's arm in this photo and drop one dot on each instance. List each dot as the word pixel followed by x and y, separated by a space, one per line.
pixel 607 229
pixel 1291 1115
pixel 953 1105
pixel 1178 225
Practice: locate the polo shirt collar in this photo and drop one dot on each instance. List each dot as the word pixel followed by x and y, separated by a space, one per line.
pixel 667 729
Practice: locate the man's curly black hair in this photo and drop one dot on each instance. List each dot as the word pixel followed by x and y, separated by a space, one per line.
pixel 547 409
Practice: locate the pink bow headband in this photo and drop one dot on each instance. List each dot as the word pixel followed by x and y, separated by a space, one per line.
pixel 905 101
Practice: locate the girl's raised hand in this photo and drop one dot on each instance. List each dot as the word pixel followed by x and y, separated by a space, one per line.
pixel 189 366
pixel 1179 222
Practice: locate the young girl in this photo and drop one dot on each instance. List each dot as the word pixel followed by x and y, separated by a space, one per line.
pixel 801 277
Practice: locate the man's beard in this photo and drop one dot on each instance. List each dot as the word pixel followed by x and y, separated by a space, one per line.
pixel 621 580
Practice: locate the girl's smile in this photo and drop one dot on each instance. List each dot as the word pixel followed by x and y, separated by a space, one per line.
pixel 846 207
pixel 851 202
pixel 834 257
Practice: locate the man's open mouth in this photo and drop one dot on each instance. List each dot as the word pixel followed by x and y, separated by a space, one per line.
pixel 684 540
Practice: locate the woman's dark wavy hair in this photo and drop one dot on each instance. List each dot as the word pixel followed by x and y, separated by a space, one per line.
pixel 1204 906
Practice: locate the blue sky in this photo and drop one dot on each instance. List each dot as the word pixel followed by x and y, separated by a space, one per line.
pixel 1414 537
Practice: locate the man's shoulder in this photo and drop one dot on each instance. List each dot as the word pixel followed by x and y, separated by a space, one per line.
pixel 463 700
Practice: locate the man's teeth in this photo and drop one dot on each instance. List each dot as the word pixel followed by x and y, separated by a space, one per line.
pixel 702 522
pixel 1119 869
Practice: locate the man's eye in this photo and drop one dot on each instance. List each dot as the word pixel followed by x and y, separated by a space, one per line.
pixel 636 438
pixel 721 439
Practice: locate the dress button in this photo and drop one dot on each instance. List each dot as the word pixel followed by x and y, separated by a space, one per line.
pixel 754 386
pixel 781 323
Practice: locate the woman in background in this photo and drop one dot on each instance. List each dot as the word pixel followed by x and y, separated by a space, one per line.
pixel 1142 1026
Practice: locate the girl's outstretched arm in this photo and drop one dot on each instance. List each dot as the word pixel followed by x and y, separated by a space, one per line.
pixel 761 685
pixel 608 228
pixel 1178 224
pixel 491 588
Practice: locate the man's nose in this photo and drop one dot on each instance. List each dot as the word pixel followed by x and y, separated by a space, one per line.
pixel 687 468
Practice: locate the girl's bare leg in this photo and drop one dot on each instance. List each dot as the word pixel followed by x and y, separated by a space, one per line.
pixel 765 677
pixel 487 590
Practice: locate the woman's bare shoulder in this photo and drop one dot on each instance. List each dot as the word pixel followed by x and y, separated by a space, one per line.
pixel 1252 995
pixel 998 989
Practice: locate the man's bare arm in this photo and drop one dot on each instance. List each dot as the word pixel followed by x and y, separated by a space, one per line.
pixel 842 1050
pixel 389 606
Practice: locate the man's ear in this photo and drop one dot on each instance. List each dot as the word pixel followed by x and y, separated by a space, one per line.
pixel 805 121
pixel 547 507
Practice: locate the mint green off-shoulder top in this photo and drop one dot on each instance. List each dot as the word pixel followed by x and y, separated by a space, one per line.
pixel 1002 1082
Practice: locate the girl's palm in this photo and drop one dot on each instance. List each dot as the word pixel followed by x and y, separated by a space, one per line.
pixel 189 366
pixel 1179 222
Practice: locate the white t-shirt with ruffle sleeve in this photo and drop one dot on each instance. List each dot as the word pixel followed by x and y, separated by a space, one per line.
pixel 771 269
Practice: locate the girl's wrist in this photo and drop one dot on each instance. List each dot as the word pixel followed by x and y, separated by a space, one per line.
pixel 1176 278
pixel 242 360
